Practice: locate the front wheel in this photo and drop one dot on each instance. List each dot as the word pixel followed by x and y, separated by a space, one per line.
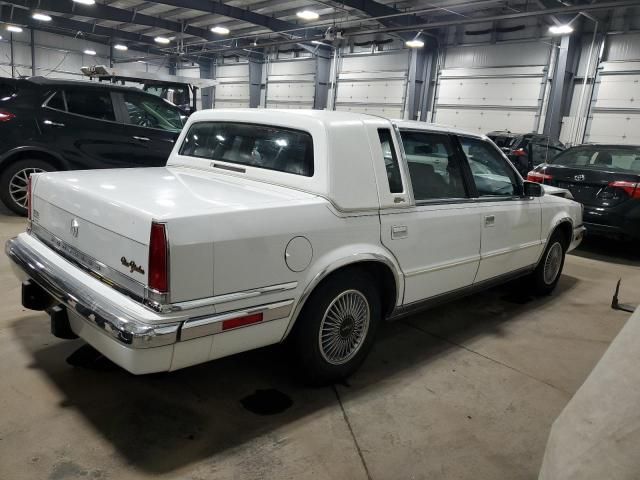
pixel 337 327
pixel 13 183
pixel 546 275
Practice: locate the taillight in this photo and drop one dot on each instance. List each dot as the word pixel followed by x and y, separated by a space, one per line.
pixel 519 152
pixel 6 116
pixel 29 206
pixel 158 259
pixel 631 188
pixel 538 177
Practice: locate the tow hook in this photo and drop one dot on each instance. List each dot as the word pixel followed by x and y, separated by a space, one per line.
pixel 616 305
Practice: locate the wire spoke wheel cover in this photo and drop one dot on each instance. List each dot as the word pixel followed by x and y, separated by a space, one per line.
pixel 344 327
pixel 18 185
pixel 552 263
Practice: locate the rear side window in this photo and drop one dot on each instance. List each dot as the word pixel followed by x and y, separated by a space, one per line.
pixel 433 166
pixel 90 103
pixel 390 161
pixel 262 146
pixel 57 102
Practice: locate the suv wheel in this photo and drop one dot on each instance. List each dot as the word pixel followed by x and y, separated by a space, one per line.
pixel 336 328
pixel 13 183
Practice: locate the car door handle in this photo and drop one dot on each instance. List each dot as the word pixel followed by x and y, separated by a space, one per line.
pixel 489 220
pixel 54 124
pixel 141 139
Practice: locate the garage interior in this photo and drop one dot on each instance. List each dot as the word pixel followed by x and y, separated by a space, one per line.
pixel 465 390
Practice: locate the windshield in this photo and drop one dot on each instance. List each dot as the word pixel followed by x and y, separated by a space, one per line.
pixel 600 158
pixel 263 146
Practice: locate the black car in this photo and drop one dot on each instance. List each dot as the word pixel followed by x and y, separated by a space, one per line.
pixel 526 150
pixel 48 124
pixel 605 179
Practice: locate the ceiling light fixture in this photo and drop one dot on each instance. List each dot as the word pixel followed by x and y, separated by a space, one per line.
pixel 120 46
pixel 560 29
pixel 14 28
pixel 308 15
pixel 88 51
pixel 163 40
pixel 85 2
pixel 415 43
pixel 43 17
pixel 220 30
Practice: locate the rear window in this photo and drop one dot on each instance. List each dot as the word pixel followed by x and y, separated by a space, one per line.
pixel 627 159
pixel 262 146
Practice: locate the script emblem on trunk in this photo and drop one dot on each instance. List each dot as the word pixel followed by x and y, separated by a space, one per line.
pixel 75 227
pixel 579 178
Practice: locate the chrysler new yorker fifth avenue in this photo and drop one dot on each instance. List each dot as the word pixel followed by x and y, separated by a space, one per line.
pixel 267 226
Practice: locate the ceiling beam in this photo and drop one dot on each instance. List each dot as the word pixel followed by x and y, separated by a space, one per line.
pixel 69 27
pixel 106 12
pixel 375 9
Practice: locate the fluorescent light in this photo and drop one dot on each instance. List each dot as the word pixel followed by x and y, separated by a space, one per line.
pixel 308 15
pixel 163 40
pixel 415 43
pixel 220 30
pixel 119 46
pixel 317 42
pixel 88 51
pixel 43 17
pixel 14 28
pixel 140 61
pixel 560 29
pixel 85 2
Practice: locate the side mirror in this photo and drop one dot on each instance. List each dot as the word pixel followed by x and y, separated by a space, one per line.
pixel 532 189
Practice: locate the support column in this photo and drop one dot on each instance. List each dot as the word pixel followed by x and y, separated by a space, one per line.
pixel 208 71
pixel 33 53
pixel 561 85
pixel 416 78
pixel 255 82
pixel 173 66
pixel 428 86
pixel 323 74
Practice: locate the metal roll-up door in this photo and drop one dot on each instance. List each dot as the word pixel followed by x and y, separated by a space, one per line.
pixel 373 83
pixel 232 90
pixel 493 87
pixel 291 83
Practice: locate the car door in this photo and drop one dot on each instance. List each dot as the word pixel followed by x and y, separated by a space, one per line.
pixel 152 126
pixel 80 124
pixel 510 223
pixel 436 238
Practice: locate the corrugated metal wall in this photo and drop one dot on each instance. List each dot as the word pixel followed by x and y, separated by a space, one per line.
pixel 291 83
pixel 493 87
pixel 373 83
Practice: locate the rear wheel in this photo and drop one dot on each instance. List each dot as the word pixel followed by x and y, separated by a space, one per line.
pixel 337 327
pixel 13 182
pixel 546 275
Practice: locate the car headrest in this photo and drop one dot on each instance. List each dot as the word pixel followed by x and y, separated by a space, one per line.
pixel 604 158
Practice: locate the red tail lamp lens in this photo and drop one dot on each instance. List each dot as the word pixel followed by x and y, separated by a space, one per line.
pixel 158 259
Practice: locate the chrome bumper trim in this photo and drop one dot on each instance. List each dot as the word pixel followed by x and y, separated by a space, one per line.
pixel 211 325
pixel 98 310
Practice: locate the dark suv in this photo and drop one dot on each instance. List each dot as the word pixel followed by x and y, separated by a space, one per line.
pixel 48 124
pixel 526 150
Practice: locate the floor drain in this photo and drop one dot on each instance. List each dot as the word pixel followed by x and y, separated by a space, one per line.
pixel 267 402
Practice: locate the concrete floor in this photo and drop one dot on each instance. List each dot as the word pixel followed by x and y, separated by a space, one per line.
pixel 467 390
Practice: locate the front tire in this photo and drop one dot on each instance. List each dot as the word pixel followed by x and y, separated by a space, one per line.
pixel 337 327
pixel 547 273
pixel 13 183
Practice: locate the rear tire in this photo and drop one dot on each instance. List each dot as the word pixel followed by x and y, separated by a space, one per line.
pixel 545 277
pixel 336 328
pixel 13 182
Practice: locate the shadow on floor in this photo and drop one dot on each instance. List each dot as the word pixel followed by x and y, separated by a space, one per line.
pixel 162 422
pixel 609 250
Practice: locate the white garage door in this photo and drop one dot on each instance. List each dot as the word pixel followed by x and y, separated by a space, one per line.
pixel 232 90
pixel 373 84
pixel 291 83
pixel 615 114
pixel 493 87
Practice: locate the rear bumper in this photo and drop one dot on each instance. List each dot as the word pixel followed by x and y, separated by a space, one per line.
pixel 138 339
pixel 619 221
